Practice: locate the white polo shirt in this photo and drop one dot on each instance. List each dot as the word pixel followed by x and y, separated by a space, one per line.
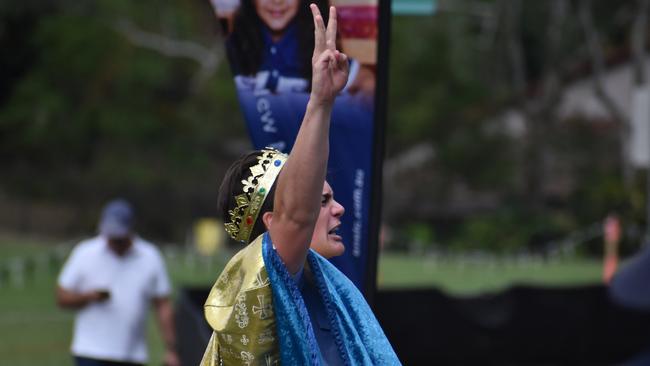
pixel 114 329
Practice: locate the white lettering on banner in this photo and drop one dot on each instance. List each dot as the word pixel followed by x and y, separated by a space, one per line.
pixel 264 109
pixel 278 145
pixel 268 122
pixel 357 203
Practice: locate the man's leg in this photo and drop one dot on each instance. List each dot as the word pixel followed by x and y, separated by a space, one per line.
pixel 85 361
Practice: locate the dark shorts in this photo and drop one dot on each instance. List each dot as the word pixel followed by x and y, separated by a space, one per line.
pixel 85 361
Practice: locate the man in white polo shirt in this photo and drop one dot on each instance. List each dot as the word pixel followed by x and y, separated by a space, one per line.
pixel 111 281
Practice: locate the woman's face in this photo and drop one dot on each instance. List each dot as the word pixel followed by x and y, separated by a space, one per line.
pixel 276 14
pixel 326 240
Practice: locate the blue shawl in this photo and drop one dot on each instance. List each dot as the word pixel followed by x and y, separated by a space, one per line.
pixel 358 336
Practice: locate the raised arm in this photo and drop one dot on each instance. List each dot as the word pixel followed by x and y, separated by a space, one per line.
pixel 299 187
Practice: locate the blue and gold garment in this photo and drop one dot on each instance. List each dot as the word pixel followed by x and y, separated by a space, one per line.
pixel 259 316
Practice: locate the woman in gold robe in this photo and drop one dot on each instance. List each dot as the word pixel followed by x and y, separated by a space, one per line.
pixel 277 301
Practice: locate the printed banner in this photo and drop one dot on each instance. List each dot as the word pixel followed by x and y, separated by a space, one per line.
pixel 269 45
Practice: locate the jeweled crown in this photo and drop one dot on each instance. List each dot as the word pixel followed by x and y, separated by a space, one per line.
pixel 255 189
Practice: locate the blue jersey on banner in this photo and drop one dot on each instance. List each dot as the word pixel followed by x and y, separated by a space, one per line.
pixel 274 119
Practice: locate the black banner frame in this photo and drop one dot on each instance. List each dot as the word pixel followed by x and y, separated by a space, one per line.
pixel 379 141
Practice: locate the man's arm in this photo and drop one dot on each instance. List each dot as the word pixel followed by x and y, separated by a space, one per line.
pixel 299 187
pixel 165 316
pixel 75 300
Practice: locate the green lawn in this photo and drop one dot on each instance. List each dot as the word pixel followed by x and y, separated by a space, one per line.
pixel 466 277
pixel 35 332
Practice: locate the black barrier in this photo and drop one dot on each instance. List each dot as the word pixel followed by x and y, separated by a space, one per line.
pixel 520 326
pixel 192 331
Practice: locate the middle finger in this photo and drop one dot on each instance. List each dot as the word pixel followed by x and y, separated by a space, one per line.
pixel 319 30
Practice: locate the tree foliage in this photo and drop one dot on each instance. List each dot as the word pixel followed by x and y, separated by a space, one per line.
pixel 453 78
pixel 90 109
pixel 86 115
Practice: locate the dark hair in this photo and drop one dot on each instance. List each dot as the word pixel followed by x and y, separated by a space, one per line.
pixel 232 186
pixel 246 42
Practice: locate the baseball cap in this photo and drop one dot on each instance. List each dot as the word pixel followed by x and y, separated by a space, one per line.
pixel 117 219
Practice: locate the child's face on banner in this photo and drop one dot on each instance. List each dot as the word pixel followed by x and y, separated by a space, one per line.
pixel 276 14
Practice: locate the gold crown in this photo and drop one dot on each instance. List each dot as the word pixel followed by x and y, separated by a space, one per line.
pixel 256 188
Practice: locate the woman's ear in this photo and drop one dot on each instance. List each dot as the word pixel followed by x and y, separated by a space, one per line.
pixel 267 217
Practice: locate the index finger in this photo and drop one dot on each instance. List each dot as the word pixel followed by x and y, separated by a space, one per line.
pixel 332 25
pixel 319 30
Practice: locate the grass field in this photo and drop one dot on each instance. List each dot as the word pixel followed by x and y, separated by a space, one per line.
pixel 33 331
pixel 469 277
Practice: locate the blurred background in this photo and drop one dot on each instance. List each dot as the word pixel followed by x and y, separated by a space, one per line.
pixel 517 137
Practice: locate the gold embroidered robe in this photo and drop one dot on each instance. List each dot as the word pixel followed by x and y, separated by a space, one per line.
pixel 240 311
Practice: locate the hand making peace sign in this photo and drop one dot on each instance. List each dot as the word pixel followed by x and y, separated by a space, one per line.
pixel 330 67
